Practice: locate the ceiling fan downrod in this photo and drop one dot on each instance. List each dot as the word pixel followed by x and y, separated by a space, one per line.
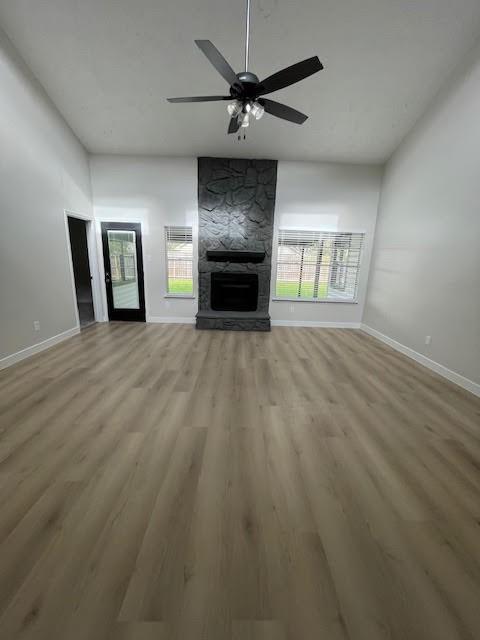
pixel 247 34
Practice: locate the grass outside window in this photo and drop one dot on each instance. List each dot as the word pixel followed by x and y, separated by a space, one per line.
pixel 180 286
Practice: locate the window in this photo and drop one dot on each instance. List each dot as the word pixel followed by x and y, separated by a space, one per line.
pixel 179 250
pixel 318 265
pixel 122 256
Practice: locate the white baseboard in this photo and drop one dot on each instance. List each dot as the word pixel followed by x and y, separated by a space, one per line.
pixel 315 323
pixel 454 377
pixel 172 320
pixel 36 348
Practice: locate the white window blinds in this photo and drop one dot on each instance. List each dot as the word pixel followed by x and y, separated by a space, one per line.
pixel 318 265
pixel 179 254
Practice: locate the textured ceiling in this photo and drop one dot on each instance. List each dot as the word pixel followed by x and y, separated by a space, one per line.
pixel 108 65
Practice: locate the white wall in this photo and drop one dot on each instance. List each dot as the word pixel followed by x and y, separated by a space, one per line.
pixel 425 276
pixel 163 191
pixel 155 192
pixel 330 197
pixel 43 170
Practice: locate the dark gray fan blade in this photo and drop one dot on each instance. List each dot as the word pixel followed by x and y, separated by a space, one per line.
pixel 200 99
pixel 218 61
pixel 290 75
pixel 282 111
pixel 234 125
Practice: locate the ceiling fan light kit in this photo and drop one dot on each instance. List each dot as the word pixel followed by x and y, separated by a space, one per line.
pixel 243 111
pixel 246 91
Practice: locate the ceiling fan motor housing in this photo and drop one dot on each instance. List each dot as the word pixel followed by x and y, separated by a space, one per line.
pixel 247 87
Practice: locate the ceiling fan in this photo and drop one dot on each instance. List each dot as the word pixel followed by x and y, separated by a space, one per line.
pixel 246 91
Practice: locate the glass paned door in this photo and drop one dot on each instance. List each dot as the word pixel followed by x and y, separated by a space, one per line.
pixel 123 269
pixel 122 247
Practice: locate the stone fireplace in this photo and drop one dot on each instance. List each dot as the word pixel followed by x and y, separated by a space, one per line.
pixel 236 201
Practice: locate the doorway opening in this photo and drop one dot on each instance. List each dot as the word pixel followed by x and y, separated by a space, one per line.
pixel 77 230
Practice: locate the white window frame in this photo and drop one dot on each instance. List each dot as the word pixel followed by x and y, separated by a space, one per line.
pixel 184 296
pixel 354 300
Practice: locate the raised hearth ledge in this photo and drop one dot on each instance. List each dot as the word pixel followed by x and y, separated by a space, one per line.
pixel 233 320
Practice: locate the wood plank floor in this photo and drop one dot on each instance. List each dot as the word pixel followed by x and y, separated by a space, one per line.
pixel 159 482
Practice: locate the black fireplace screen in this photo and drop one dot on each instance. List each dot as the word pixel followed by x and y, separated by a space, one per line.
pixel 234 291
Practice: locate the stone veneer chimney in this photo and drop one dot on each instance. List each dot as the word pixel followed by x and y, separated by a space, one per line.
pixel 236 202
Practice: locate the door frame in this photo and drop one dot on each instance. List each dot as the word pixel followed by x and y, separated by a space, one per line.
pixel 129 315
pixel 92 260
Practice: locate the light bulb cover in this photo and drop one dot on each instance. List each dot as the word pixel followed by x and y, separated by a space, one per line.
pixel 245 120
pixel 234 108
pixel 257 110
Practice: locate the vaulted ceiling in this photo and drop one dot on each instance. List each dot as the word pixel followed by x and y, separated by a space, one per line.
pixel 108 65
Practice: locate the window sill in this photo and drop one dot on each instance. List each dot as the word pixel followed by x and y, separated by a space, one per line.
pixel 182 296
pixel 315 300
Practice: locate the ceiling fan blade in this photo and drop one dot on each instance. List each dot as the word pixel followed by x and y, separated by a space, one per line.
pixel 290 75
pixel 234 125
pixel 282 111
pixel 218 61
pixel 200 99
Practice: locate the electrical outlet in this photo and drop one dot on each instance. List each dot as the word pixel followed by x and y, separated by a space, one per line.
pixel 428 339
pixel 292 308
pixel 36 325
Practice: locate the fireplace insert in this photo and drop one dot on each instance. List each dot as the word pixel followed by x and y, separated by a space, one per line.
pixel 234 291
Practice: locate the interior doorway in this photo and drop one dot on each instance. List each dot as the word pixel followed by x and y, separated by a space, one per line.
pixel 77 230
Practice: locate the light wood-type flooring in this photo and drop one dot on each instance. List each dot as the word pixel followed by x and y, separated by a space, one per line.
pixel 157 482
